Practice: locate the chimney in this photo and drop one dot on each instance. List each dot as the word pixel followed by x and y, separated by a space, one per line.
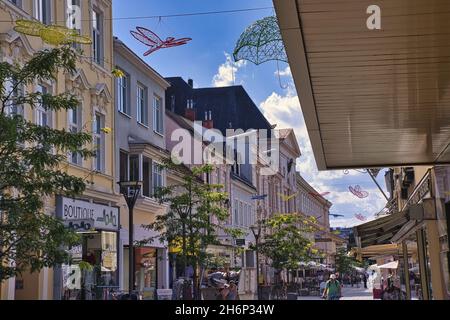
pixel 189 112
pixel 191 83
pixel 208 122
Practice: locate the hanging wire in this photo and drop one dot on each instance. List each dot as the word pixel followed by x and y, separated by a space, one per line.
pixel 176 15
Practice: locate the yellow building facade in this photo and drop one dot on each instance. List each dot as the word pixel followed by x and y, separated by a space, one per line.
pixel 93 84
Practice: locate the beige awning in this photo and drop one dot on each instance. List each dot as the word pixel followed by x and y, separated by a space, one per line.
pixel 371 98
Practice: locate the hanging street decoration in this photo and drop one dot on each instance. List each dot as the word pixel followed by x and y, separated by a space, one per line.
pixel 318 194
pixel 259 197
pixel 359 216
pixel 287 198
pixel 151 40
pixel 51 34
pixel 261 42
pixel 334 215
pixel 357 191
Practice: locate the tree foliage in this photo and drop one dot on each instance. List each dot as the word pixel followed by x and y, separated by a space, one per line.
pixel 31 158
pixel 196 213
pixel 345 263
pixel 286 241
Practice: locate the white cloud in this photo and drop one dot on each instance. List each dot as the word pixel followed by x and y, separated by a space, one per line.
pixel 226 74
pixel 284 73
pixel 285 111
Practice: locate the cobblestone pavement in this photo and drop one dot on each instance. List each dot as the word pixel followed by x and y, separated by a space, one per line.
pixel 349 293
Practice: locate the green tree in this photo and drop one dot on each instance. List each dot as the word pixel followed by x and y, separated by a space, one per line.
pixel 196 213
pixel 345 263
pixel 285 240
pixel 31 158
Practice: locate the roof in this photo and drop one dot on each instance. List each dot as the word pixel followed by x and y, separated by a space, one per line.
pixel 371 98
pixel 231 107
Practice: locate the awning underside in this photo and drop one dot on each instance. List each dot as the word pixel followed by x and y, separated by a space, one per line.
pixel 371 98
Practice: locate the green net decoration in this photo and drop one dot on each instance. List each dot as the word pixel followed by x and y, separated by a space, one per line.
pixel 261 42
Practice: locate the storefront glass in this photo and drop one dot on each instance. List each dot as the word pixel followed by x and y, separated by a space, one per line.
pixel 146 272
pixel 94 267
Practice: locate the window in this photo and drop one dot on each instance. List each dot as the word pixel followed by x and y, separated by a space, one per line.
pixel 74 127
pixel 97 36
pixel 158 176
pixel 11 88
pixel 43 116
pixel 245 214
pixel 99 142
pixel 241 214
pixel 74 18
pixel 18 3
pixel 141 103
pixel 157 115
pixel 134 167
pixel 172 103
pixel 236 213
pixel 122 94
pixel 123 166
pixel 147 174
pixel 42 11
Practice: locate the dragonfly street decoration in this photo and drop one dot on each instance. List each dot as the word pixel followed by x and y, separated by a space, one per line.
pixel 334 215
pixel 287 198
pixel 319 194
pixel 51 34
pixel 150 39
pixel 359 216
pixel 357 191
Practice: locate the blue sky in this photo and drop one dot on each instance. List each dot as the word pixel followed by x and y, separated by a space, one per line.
pixel 206 59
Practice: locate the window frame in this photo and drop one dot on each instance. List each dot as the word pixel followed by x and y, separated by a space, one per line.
pixel 156 164
pixel 42 11
pixel 158 118
pixel 99 135
pixel 142 105
pixel 77 126
pixel 97 27
pixel 123 93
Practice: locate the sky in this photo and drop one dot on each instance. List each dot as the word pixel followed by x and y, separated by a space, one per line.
pixel 207 59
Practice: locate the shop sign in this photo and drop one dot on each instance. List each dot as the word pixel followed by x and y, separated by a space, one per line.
pixel 421 191
pixel 82 212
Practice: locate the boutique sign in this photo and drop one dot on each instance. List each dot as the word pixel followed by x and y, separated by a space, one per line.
pixel 103 217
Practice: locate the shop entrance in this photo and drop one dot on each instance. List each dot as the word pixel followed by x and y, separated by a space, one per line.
pixel 94 269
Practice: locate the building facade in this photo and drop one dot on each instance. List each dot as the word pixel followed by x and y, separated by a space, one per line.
pixel 140 151
pixel 93 84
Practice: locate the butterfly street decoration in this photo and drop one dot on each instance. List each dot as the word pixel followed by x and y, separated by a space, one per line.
pixel 287 198
pixel 359 216
pixel 357 191
pixel 51 34
pixel 150 39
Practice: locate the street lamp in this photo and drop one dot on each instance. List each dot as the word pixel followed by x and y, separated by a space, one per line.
pixel 130 190
pixel 256 230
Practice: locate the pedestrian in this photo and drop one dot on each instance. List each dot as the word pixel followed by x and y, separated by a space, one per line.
pixel 365 280
pixel 333 289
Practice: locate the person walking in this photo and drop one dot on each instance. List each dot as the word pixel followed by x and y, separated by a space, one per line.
pixel 365 280
pixel 332 289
